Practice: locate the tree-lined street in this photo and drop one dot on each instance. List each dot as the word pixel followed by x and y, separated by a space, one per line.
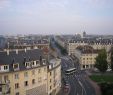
pixel 79 85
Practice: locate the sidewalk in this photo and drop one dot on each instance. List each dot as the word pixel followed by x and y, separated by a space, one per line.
pixel 94 84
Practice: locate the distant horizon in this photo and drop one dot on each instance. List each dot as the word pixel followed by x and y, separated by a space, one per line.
pixel 56 17
pixel 56 34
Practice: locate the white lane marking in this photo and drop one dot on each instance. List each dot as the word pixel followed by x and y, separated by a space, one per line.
pixel 82 87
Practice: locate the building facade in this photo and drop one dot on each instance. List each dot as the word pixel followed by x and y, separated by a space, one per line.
pixel 86 56
pixel 54 77
pixel 95 43
pixel 25 72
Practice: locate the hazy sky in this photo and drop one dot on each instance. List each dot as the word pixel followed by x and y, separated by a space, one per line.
pixel 56 16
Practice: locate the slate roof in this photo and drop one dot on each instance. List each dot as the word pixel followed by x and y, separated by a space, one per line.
pixel 21 57
pixel 92 41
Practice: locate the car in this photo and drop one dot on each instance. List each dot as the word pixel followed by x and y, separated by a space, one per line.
pixel 66 88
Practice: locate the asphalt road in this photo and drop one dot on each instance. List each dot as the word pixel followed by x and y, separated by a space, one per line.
pixel 79 85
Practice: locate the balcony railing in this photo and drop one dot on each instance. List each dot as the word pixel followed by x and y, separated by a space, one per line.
pixel 5 89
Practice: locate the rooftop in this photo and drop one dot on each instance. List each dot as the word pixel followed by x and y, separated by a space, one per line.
pixel 20 57
pixel 92 41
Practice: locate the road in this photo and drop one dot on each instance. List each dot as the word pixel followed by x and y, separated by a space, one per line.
pixel 79 85
pixel 78 81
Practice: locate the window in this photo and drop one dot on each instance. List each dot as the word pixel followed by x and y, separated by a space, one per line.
pixel 50 80
pixel 87 66
pixel 33 81
pixel 16 85
pixel 26 83
pixel 33 72
pixel 83 66
pixel 37 63
pixel 44 61
pixel 50 73
pixel 0 88
pixel 16 76
pixel 25 74
pixel 6 77
pixel 39 79
pixel 39 70
pixel 32 63
pixel 15 66
pixel 44 69
pixel 5 67
pixel 50 87
pixel 17 93
pixel 83 58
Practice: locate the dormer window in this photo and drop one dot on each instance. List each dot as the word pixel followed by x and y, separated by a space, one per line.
pixel 37 63
pixel 5 67
pixel 16 66
pixel 27 64
pixel 44 61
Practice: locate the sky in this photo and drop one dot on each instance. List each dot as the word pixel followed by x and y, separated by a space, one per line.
pixel 56 16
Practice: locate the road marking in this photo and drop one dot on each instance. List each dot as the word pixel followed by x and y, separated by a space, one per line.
pixel 82 87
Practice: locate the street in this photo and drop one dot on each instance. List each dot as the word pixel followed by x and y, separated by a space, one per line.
pixel 78 81
pixel 79 85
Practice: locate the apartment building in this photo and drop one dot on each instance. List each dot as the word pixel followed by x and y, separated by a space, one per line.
pixel 95 43
pixel 72 45
pixel 86 55
pixel 24 72
pixel 27 43
pixel 54 77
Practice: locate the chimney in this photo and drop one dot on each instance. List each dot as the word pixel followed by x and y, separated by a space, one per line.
pixel 7 51
pixel 40 58
pixel 16 51
pixel 25 50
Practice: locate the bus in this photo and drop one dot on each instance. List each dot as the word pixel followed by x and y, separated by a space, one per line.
pixel 70 71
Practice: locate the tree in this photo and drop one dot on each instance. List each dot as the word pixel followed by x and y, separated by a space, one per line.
pixel 101 61
pixel 112 58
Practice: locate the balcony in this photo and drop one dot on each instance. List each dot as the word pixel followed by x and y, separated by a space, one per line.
pixel 4 88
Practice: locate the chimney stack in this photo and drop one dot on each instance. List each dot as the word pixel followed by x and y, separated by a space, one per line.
pixel 25 50
pixel 7 51
pixel 40 58
pixel 16 51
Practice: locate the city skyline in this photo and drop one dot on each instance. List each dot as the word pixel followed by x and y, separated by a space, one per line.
pixel 56 17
